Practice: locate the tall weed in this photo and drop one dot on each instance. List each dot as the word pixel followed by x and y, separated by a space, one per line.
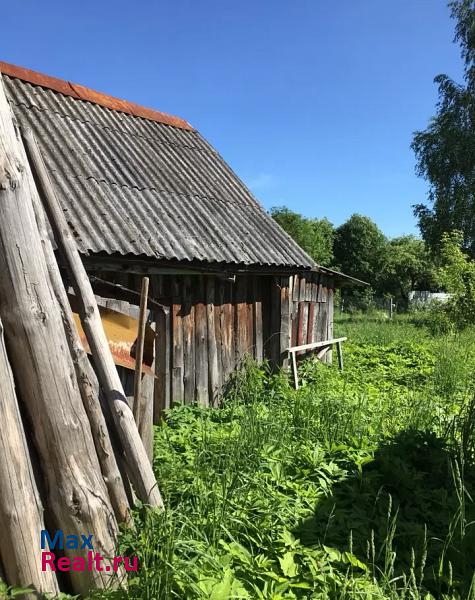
pixel 358 485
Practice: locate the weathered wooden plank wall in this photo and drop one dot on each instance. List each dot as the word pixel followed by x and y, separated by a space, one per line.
pixel 211 323
pixel 311 309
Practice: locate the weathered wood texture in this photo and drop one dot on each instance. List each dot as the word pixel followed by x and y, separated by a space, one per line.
pixel 21 511
pixel 138 408
pixel 138 465
pixel 178 383
pixel 86 378
pixel 321 349
pixel 213 372
pixel 76 495
pixel 311 310
pixel 214 322
pixel 201 350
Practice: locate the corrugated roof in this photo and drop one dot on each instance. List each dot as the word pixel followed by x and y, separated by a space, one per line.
pixel 134 186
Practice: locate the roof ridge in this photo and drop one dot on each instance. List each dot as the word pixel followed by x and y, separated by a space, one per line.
pixel 80 92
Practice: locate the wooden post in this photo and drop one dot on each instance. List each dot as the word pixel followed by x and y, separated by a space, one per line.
pixel 162 352
pixel 311 322
pixel 21 512
pixel 303 311
pixel 138 465
pixel 201 348
pixel 330 309
pixel 177 382
pixel 138 408
pixel 188 320
pixel 146 414
pixel 241 317
pixel 274 342
pixel 38 350
pixel 218 332
pixel 285 332
pixel 227 330
pixel 258 322
pixel 294 310
pixel 213 373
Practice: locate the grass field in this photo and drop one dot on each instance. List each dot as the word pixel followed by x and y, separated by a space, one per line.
pixel 358 485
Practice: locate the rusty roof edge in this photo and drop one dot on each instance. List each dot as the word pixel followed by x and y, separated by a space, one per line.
pixel 81 92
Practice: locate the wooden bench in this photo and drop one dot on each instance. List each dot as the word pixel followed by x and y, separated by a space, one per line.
pixel 324 346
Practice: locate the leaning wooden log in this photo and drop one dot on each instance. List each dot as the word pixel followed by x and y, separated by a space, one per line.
pixel 138 408
pixel 86 378
pixel 21 512
pixel 146 415
pixel 75 492
pixel 138 466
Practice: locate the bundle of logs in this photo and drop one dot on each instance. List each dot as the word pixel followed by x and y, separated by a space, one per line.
pixel 71 456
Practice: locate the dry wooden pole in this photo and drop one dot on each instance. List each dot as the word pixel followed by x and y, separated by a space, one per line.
pixel 146 414
pixel 86 378
pixel 227 330
pixel 147 404
pixel 76 495
pixel 139 351
pixel 213 372
pixel 258 321
pixel 330 309
pixel 201 346
pixel 177 381
pixel 138 466
pixel 188 342
pixel 275 319
pixel 162 352
pixel 285 331
pixel 21 512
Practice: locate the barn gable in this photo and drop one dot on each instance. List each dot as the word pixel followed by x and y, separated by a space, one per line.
pixel 146 195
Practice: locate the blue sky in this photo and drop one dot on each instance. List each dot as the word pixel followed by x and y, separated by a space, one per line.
pixel 312 102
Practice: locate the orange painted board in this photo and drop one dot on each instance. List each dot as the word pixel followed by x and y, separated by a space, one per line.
pixel 121 332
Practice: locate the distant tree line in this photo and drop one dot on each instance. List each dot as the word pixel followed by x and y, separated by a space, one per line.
pixel 392 267
pixel 445 256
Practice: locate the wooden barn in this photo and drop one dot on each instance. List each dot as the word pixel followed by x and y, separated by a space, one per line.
pixel 145 194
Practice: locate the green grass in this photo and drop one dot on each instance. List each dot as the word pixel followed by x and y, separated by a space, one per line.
pixel 358 485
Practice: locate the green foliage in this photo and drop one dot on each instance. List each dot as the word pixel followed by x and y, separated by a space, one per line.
pixel 457 276
pixel 408 267
pixel 360 248
pixel 13 591
pixel 356 485
pixel 445 150
pixel 315 236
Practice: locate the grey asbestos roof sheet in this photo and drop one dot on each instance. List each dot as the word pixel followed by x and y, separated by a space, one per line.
pixel 132 186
